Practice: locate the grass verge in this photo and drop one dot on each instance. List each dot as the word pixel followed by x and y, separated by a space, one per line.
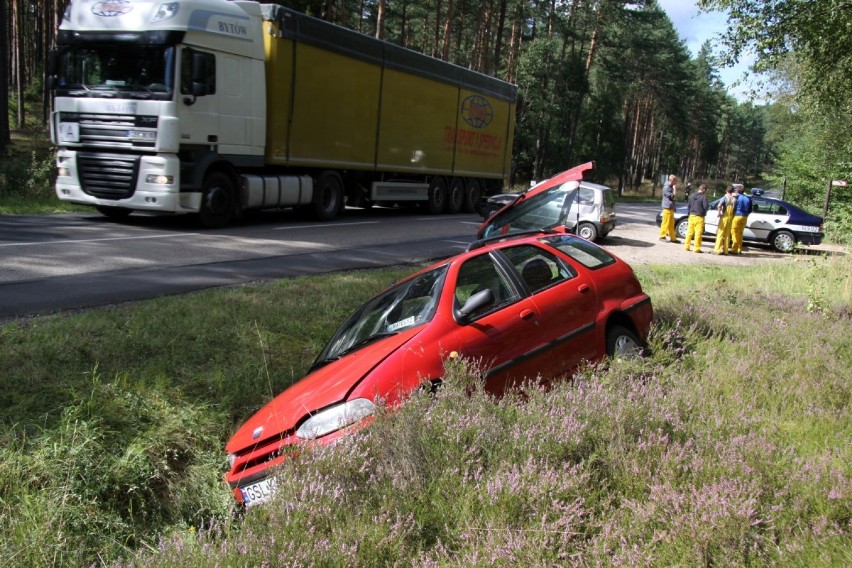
pixel 728 446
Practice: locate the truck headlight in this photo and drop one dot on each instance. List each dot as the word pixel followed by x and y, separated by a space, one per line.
pixel 335 417
pixel 232 458
pixel 159 179
pixel 62 171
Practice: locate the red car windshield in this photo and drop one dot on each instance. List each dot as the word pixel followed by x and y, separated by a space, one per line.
pixel 406 305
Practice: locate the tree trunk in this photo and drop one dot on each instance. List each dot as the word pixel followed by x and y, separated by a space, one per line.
pixel 576 115
pixel 437 39
pixel 18 40
pixel 4 83
pixel 380 20
pixel 498 40
pixel 448 32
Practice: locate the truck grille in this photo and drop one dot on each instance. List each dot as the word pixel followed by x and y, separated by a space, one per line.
pixel 108 176
pixel 114 130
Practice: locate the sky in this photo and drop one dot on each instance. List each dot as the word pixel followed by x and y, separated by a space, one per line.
pixel 695 29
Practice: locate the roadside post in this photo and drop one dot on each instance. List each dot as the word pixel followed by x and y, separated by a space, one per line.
pixel 835 183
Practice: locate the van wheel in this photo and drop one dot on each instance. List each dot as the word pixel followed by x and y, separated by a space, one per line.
pixel 588 231
pixel 437 195
pixel 456 197
pixel 218 201
pixel 472 196
pixel 328 196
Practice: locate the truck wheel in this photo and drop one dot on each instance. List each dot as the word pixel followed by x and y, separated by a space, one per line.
pixel 437 195
pixel 472 196
pixel 457 195
pixel 328 196
pixel 218 201
pixel 116 213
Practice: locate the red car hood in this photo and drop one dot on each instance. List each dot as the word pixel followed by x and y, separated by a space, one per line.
pixel 324 387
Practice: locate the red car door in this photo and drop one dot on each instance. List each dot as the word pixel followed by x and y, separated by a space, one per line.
pixel 565 300
pixel 506 337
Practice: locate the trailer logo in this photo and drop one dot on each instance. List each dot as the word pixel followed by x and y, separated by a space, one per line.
pixel 477 111
pixel 112 8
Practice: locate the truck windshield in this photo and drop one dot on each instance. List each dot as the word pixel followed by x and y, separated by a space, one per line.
pixel 116 70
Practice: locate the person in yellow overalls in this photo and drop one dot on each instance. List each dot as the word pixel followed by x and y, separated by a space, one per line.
pixel 697 210
pixel 741 210
pixel 726 215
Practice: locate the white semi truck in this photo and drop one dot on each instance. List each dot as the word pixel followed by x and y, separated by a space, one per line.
pixel 214 107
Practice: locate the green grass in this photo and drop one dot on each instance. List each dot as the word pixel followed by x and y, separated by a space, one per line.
pixel 729 446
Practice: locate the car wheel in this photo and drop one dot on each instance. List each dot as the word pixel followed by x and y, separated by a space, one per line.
pixel 588 231
pixel 218 201
pixel 621 343
pixel 328 196
pixel 783 241
pixel 116 213
pixel 456 197
pixel 682 227
pixel 437 195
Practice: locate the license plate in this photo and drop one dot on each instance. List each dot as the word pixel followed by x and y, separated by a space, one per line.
pixel 259 492
pixel 69 131
pixel 809 229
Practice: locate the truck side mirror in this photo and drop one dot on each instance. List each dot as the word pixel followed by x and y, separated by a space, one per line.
pixel 199 89
pixel 199 75
pixel 52 64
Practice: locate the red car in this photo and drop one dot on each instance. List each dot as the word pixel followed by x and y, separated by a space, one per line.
pixel 522 306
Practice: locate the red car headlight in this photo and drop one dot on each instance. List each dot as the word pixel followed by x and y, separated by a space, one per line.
pixel 335 417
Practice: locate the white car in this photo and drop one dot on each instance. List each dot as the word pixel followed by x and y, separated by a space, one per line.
pixel 582 207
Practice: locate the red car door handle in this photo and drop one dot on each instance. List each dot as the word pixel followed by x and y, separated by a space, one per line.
pixel 583 288
pixel 527 314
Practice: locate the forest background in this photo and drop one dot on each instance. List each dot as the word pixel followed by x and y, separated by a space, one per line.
pixel 603 80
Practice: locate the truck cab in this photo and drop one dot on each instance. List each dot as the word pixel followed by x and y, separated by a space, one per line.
pixel 154 102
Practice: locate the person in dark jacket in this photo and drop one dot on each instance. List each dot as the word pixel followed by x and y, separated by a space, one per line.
pixel 698 207
pixel 667 226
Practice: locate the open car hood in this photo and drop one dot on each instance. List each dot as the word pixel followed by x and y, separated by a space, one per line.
pixel 325 386
pixel 574 174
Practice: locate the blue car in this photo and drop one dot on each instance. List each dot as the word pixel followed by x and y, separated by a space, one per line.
pixel 771 221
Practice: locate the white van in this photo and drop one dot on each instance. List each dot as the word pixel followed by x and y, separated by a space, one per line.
pixel 582 207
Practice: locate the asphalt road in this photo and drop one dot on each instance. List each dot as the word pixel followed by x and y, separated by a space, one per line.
pixel 60 262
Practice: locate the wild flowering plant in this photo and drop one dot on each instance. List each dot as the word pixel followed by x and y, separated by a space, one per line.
pixel 726 446
pixel 630 463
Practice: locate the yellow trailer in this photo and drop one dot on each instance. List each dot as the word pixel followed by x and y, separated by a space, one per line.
pixel 396 125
